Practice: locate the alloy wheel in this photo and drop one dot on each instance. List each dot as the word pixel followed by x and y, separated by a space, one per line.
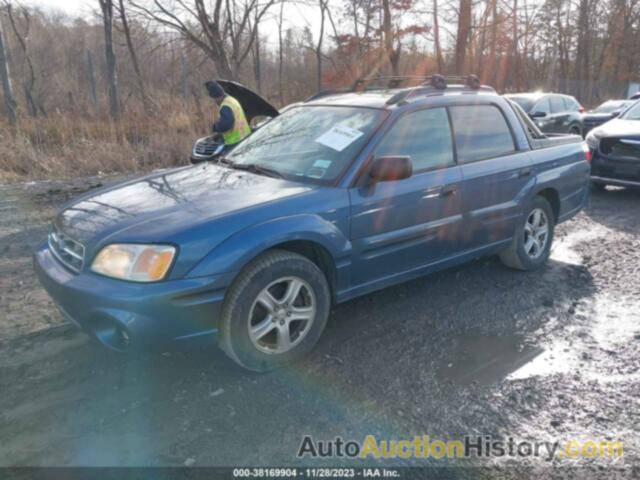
pixel 536 233
pixel 282 315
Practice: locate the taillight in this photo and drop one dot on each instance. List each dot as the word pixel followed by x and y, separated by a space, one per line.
pixel 587 152
pixel 581 109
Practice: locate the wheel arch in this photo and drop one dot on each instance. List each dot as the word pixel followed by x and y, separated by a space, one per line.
pixel 311 236
pixel 552 196
pixel 317 254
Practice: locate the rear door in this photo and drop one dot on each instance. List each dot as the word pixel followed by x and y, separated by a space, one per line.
pixel 399 226
pixel 494 174
pixel 560 114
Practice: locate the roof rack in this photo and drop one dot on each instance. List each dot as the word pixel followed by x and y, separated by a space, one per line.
pixel 425 84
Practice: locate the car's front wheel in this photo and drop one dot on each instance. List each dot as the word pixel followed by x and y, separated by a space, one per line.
pixel 532 239
pixel 275 311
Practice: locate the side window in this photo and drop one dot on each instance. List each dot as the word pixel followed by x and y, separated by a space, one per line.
pixel 424 135
pixel 542 106
pixel 557 105
pixel 481 132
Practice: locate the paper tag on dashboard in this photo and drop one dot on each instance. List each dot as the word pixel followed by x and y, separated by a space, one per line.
pixel 339 137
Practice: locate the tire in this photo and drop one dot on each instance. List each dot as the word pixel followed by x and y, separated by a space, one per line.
pixel 516 255
pixel 257 301
pixel 575 130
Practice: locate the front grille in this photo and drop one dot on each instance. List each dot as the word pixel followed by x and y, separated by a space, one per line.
pixel 622 148
pixel 66 250
pixel 206 146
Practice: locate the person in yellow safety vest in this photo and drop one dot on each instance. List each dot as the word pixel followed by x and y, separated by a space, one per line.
pixel 232 123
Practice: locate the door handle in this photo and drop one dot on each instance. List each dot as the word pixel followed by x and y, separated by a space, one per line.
pixel 525 172
pixel 448 190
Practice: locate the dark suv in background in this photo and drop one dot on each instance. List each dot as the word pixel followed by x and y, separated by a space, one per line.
pixel 551 112
pixel 603 113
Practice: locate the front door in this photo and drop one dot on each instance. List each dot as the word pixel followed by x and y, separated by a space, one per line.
pixel 400 226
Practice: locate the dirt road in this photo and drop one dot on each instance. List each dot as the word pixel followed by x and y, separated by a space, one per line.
pixel 480 349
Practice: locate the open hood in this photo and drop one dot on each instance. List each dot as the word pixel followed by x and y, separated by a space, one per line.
pixel 252 103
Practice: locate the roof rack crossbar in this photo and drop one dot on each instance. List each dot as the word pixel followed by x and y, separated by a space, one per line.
pixel 436 82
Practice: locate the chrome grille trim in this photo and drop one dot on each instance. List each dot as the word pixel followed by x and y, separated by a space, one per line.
pixel 68 251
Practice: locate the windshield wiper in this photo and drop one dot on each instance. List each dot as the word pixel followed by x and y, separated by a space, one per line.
pixel 255 168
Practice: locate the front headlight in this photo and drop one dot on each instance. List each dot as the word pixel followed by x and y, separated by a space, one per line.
pixel 592 140
pixel 138 263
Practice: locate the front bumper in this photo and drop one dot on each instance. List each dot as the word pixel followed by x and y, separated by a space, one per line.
pixel 614 181
pixel 615 171
pixel 127 315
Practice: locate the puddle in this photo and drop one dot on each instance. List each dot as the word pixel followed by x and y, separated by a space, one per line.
pixel 558 359
pixel 487 359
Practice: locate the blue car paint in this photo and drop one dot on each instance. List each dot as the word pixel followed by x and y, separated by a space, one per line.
pixel 376 236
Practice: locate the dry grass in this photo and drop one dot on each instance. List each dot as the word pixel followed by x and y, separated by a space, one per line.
pixel 64 146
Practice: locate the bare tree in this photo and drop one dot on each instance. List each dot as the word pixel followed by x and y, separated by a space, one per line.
pixel 106 6
pixel 146 101
pixel 225 33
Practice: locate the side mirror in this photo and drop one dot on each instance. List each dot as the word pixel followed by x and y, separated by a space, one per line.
pixel 615 113
pixel 538 114
pixel 386 169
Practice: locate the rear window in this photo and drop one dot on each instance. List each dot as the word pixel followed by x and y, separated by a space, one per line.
pixel 571 103
pixel 481 132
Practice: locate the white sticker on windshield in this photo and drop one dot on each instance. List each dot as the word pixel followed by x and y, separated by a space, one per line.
pixel 339 137
pixel 322 163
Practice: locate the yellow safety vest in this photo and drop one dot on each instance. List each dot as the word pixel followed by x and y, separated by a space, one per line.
pixel 240 129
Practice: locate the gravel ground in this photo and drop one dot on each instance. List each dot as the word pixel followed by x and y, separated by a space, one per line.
pixel 479 349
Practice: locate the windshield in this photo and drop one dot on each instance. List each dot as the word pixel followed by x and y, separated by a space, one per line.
pixel 632 113
pixel 611 106
pixel 525 102
pixel 310 143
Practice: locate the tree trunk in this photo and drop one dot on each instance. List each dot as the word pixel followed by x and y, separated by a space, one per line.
pixel 257 59
pixel 280 54
pixel 494 43
pixel 515 68
pixel 7 89
pixel 29 77
pixel 436 37
pixel 93 90
pixel 318 49
pixel 112 81
pixel 387 32
pixel 462 37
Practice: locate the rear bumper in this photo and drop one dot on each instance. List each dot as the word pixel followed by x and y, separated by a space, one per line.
pixel 126 315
